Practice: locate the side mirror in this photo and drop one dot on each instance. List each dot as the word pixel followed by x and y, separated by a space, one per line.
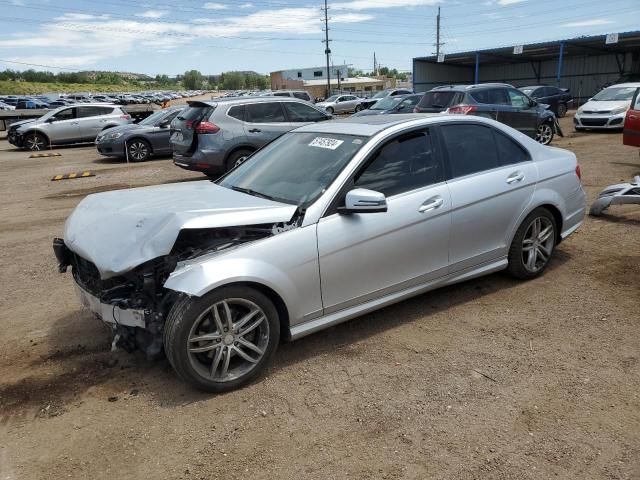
pixel 164 124
pixel 532 103
pixel 361 200
pixel 51 119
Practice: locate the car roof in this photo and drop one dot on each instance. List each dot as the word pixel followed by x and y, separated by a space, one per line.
pixel 628 84
pixel 366 126
pixel 242 100
pixel 463 87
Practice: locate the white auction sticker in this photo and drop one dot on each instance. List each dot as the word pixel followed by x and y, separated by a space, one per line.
pixel 322 142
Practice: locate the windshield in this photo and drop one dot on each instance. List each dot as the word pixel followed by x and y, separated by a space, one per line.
pixel 527 91
pixel 296 168
pixel 387 103
pixel 615 94
pixel 332 98
pixel 153 118
pixel 381 94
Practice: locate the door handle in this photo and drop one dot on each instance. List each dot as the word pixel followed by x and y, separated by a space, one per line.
pixel 515 177
pixel 255 130
pixel 431 204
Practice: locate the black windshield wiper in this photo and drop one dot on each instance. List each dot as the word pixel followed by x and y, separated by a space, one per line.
pixel 248 191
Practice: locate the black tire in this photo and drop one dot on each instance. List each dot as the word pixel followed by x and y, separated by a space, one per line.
pixel 35 141
pixel 545 133
pixel 330 110
pixel 236 158
pixel 562 110
pixel 520 268
pixel 138 149
pixel 190 313
pixel 358 108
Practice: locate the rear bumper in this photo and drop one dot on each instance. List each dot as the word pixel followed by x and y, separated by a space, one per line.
pixel 205 161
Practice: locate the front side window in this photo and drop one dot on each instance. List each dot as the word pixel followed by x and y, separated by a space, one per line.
pixel 270 112
pixel 470 148
pixel 403 164
pixel 518 99
pixel 66 114
pixel 302 95
pixel 298 112
pixel 296 168
pixel 84 112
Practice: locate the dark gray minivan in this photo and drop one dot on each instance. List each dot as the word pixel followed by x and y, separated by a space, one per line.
pixel 214 136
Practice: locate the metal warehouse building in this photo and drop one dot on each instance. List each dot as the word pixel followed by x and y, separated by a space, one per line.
pixel 584 64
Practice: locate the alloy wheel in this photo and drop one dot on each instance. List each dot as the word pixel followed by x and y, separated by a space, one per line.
pixel 544 134
pixel 537 244
pixel 35 142
pixel 138 150
pixel 228 340
pixel 240 160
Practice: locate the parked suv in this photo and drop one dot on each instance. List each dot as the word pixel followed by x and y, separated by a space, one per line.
pixel 214 136
pixel 73 124
pixel 558 99
pixel 499 101
pixel 300 94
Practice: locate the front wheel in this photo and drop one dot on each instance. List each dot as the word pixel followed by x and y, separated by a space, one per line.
pixel 532 245
pixel 544 135
pixel 358 108
pixel 139 150
pixel 222 340
pixel 330 110
pixel 35 141
pixel 237 158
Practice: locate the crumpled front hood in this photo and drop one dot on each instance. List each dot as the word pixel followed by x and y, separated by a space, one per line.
pixel 21 123
pixel 122 229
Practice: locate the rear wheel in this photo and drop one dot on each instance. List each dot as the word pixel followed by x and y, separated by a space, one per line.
pixel 562 110
pixel 35 141
pixel 222 340
pixel 532 245
pixel 544 135
pixel 330 110
pixel 358 107
pixel 237 158
pixel 139 150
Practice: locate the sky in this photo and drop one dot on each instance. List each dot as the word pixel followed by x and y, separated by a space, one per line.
pixel 172 36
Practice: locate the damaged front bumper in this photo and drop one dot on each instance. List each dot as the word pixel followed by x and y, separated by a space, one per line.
pixel 110 313
pixel 620 194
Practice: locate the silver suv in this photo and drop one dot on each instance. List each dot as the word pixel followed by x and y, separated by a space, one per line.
pixel 72 124
pixel 213 137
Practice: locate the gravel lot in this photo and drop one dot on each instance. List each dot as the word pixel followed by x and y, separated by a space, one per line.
pixel 490 379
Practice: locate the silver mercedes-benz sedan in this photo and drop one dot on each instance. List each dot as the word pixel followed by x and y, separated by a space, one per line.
pixel 328 222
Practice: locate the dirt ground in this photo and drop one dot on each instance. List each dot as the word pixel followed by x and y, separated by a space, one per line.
pixel 490 379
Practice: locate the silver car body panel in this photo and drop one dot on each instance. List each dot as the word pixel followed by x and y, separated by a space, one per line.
pixel 138 225
pixel 365 261
pixel 619 194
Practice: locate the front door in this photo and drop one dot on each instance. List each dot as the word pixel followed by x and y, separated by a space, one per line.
pixel 265 122
pixel 492 180
pixel 365 256
pixel 523 116
pixel 64 126
pixel 631 132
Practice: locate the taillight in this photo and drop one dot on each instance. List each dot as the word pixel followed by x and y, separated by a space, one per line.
pixel 462 109
pixel 579 172
pixel 415 110
pixel 207 127
pixel 125 117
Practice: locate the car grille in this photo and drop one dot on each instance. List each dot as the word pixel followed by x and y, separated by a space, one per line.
pixel 86 274
pixel 594 122
pixel 597 112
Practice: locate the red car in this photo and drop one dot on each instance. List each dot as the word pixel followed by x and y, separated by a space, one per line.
pixel 631 131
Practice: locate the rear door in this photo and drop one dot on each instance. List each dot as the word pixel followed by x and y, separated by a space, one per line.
pixel 91 121
pixel 184 139
pixel 491 180
pixel 631 132
pixel 264 122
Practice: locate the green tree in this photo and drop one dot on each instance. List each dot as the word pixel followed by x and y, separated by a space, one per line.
pixel 192 80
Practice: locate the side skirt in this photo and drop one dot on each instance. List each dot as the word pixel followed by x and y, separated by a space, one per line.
pixel 312 326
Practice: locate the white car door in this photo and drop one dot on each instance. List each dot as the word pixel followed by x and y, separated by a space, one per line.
pixel 492 180
pixel 364 256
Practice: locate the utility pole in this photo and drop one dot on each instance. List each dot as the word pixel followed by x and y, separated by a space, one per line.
pixel 438 33
pixel 327 50
pixel 375 65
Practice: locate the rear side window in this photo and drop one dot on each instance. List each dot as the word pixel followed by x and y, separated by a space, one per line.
pixel 281 94
pixel 265 113
pixel 237 112
pixel 196 114
pixel 437 99
pixel 406 163
pixel 509 152
pixel 298 112
pixel 470 148
pixel 84 112
pixel 302 95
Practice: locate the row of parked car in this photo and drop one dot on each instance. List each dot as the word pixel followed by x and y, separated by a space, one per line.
pixel 14 102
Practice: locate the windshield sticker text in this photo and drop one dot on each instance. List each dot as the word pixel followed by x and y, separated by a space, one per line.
pixel 322 142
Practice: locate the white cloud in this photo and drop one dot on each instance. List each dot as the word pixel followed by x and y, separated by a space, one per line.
pixel 588 23
pixel 214 6
pixel 246 5
pixel 153 14
pixel 509 2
